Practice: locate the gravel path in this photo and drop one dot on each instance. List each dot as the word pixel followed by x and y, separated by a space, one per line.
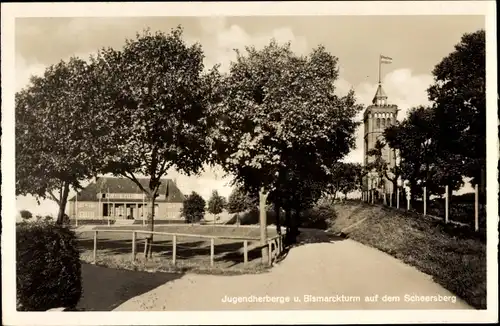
pixel 339 275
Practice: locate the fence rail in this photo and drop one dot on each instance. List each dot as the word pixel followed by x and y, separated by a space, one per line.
pixel 274 244
pixel 369 197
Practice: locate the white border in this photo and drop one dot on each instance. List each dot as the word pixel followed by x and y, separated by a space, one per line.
pixel 11 10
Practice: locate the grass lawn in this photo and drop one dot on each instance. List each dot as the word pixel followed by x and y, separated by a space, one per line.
pixel 114 249
pixel 455 258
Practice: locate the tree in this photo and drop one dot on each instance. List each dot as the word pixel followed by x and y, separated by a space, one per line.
pixel 344 179
pixel 25 214
pixel 224 202
pixel 60 133
pixel 239 200
pixel 193 209
pixel 159 99
pixel 379 164
pixel 281 107
pixel 350 181
pixel 421 163
pixel 459 98
pixel 215 203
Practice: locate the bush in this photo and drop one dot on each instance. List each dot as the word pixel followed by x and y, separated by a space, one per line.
pixel 48 267
pixel 66 219
pixel 158 222
pixel 193 209
pixel 92 222
pixel 25 214
pixel 318 217
pixel 252 217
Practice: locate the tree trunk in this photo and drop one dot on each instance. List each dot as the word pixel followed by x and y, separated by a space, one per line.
pixel 294 227
pixel 263 225
pixel 149 239
pixel 62 204
pixel 277 210
pixel 288 221
pixel 482 186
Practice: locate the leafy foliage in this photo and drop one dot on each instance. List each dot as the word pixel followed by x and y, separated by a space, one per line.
pixel 48 267
pixel 345 178
pixel 193 209
pixel 281 122
pixel 159 99
pixel 239 201
pixel 215 203
pixel 57 126
pixel 25 214
pixel 459 96
pixel 416 140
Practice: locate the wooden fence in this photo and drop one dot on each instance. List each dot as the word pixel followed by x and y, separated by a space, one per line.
pixel 368 196
pixel 274 244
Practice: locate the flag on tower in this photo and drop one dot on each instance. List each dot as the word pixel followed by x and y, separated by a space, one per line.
pixel 384 59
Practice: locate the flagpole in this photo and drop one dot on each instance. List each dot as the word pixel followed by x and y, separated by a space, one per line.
pixel 379 64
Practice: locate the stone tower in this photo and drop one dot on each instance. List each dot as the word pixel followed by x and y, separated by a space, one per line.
pixel 376 118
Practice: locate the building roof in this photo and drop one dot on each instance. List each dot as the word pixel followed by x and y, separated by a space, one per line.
pixel 379 95
pixel 127 186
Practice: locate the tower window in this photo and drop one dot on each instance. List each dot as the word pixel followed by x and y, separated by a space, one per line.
pixel 378 123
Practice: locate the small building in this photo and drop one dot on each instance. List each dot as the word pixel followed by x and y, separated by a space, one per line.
pixel 121 198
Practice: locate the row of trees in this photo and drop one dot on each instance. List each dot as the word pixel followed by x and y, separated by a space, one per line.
pixel 194 206
pixel 438 144
pixel 273 122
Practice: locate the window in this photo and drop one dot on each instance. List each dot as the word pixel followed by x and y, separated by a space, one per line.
pixel 378 123
pixel 85 214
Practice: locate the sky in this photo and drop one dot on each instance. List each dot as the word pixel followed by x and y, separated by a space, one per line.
pixel 416 44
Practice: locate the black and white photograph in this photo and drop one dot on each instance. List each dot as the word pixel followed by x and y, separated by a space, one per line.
pixel 249 163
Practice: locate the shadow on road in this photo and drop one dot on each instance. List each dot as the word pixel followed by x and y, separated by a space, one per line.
pixel 106 288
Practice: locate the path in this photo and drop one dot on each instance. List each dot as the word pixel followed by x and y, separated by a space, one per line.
pixel 324 269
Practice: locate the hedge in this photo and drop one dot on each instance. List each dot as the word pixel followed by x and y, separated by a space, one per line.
pixel 158 222
pixel 48 267
pixel 92 222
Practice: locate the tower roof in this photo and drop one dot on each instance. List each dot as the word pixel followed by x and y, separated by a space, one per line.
pixel 379 95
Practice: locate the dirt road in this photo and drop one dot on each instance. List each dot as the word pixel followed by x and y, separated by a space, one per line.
pixel 327 275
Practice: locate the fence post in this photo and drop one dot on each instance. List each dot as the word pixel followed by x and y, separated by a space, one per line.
pixel 476 208
pixel 425 201
pixel 212 252
pixel 133 245
pixel 245 252
pixel 397 198
pixel 276 247
pixel 390 198
pixel 95 247
pixel 373 196
pixel 269 245
pixel 446 204
pixel 174 249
